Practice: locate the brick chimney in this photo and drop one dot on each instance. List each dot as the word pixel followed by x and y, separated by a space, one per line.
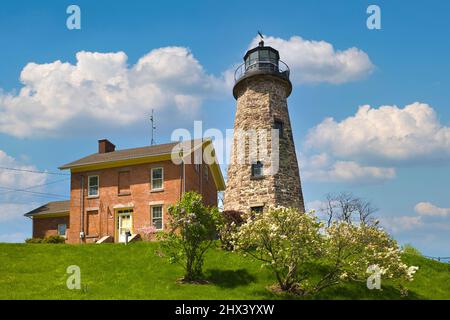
pixel 105 146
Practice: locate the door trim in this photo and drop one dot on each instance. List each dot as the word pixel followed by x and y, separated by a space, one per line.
pixel 116 222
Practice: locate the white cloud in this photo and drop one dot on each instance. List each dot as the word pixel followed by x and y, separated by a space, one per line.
pixel 429 218
pixel 17 179
pixel 318 61
pixel 429 209
pixel 321 168
pixel 12 211
pixel 389 134
pixel 102 90
pixel 315 205
pixel 401 223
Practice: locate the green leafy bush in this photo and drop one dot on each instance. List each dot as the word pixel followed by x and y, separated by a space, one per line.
pixel 34 240
pixel 192 232
pixel 54 239
pixel 49 239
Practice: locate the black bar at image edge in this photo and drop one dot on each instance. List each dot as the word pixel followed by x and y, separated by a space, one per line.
pixel 226 309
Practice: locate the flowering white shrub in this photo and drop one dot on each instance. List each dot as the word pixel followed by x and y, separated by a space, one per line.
pixel 352 248
pixel 295 246
pixel 285 241
pixel 410 272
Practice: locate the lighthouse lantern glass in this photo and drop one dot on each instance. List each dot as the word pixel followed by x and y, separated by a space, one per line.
pixel 262 59
pixel 264 55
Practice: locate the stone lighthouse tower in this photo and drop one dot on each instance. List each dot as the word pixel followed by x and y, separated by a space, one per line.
pixel 260 179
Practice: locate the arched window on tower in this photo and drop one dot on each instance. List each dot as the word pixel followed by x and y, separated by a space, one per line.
pixel 278 125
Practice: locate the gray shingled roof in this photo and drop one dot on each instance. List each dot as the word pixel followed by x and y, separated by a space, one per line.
pixel 125 154
pixel 50 208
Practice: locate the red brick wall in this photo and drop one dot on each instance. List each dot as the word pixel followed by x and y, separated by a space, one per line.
pixel 44 227
pixel 199 182
pixel 140 196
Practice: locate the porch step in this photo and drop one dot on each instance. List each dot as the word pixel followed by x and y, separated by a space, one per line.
pixel 106 239
pixel 134 237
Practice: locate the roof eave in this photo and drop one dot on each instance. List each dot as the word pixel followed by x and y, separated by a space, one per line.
pixel 71 165
pixel 49 215
pixel 87 164
pixel 217 174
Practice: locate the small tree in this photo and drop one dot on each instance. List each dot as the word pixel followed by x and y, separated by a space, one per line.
pixel 295 245
pixel 193 230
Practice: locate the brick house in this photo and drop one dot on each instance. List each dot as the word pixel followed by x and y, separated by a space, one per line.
pixel 51 219
pixel 113 192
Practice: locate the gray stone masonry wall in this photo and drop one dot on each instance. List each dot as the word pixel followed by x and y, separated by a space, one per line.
pixel 260 101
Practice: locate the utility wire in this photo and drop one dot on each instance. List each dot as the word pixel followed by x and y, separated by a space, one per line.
pixel 36 193
pixel 35 171
pixel 32 187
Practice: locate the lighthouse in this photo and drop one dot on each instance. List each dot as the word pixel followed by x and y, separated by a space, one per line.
pixel 262 179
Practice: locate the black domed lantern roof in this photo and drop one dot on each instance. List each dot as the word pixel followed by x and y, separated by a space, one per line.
pixel 261 60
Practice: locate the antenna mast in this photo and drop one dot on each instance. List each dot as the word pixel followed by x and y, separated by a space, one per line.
pixel 152 120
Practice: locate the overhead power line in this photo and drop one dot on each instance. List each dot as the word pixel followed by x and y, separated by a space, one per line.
pixel 35 171
pixel 36 193
pixel 32 187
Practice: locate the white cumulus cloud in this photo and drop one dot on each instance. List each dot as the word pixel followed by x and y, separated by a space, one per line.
pixel 102 90
pixel 13 203
pixel 387 133
pixel 318 61
pixel 429 209
pixel 10 179
pixel 11 210
pixel 429 218
pixel 322 168
pixel 396 224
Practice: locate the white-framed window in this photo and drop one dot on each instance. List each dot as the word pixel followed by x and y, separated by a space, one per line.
pixel 157 178
pixel 93 183
pixel 157 216
pixel 62 230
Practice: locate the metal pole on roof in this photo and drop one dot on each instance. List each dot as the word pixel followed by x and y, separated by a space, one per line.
pixel 152 120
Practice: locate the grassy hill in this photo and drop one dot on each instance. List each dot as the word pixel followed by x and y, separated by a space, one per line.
pixel 113 271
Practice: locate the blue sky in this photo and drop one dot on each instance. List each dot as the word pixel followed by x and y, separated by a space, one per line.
pixel 408 63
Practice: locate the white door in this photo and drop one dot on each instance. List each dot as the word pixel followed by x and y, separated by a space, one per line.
pixel 124 226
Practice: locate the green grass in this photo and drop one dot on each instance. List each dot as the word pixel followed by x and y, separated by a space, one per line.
pixel 112 271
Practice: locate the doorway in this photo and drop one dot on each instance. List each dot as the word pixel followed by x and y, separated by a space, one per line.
pixel 124 223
